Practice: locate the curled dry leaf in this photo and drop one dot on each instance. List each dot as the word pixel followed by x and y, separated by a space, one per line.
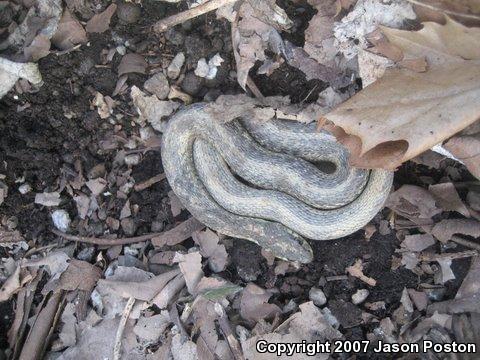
pixel 80 275
pixel 254 304
pixel 179 233
pixel 466 149
pixel 446 196
pixel 445 229
pixel 100 23
pixel 132 63
pixel 405 113
pixel 69 32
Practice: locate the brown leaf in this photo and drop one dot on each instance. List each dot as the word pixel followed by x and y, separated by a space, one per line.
pixel 38 48
pixel 445 229
pixel 211 249
pixel 69 32
pixel 35 344
pixel 132 63
pixel 254 304
pixel 100 23
pixel 466 11
pixel 446 196
pixel 413 203
pixel 319 38
pixel 466 149
pixel 80 275
pixel 11 285
pixel 191 267
pixel 145 290
pixel 405 113
pixel 418 242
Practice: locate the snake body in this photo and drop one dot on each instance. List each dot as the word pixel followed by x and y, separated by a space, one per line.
pixel 264 181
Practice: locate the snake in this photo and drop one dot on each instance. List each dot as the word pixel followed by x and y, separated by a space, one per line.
pixel 276 183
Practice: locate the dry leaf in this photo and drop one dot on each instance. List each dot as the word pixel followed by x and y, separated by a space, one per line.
pixel 445 229
pixel 309 324
pixel 254 304
pixel 176 206
pixel 257 30
pixel 151 109
pixel 211 248
pixel 80 275
pixel 69 32
pixel 446 196
pixel 38 48
pixel 145 290
pixel 406 113
pixel 465 11
pixel 100 23
pixel 466 149
pixel 11 285
pixel 132 63
pixel 413 203
pixel 191 266
pixel 57 263
pixel 418 242
pixel 319 38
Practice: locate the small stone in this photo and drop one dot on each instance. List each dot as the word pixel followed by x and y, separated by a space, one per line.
pixel 360 296
pixel 158 85
pixel 317 296
pixel 61 220
pixel 128 13
pixel 132 159
pixel 192 84
pixel 175 37
pixel 175 66
pixel 86 254
pixel 129 227
pixel 24 188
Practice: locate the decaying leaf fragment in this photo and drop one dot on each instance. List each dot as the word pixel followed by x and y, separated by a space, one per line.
pixel 405 113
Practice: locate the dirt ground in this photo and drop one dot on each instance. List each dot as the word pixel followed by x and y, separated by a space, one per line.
pixel 49 136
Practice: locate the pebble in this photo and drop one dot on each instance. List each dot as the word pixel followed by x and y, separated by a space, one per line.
pixel 132 159
pixel 61 220
pixel 158 85
pixel 175 66
pixel 317 296
pixel 86 254
pixel 24 188
pixel 360 296
pixel 128 13
pixel 192 84
pixel 128 225
pixel 175 37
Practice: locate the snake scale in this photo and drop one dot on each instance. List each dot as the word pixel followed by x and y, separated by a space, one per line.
pixel 274 183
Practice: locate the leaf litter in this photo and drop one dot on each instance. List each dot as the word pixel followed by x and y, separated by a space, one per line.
pixel 178 290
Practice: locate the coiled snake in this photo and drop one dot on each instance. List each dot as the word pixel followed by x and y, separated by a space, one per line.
pixel 267 182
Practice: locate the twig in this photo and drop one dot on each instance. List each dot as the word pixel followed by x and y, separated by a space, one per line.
pixel 117 348
pixel 336 278
pixel 167 23
pixel 447 256
pixel 105 241
pixel 254 89
pixel 448 12
pixel 465 242
pixel 147 183
pixel 228 333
